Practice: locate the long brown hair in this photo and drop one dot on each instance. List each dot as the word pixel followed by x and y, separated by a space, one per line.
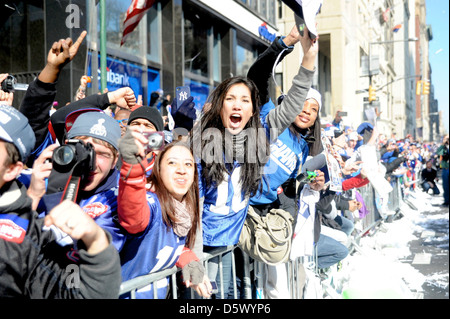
pixel 166 199
pixel 250 175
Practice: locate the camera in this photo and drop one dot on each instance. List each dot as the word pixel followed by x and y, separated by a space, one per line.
pixel 72 161
pixel 307 177
pixel 66 157
pixel 155 141
pixel 10 85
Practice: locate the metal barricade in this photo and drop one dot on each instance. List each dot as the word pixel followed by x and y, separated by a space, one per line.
pixel 132 285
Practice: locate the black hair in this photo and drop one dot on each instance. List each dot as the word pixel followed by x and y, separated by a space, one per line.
pixel 214 172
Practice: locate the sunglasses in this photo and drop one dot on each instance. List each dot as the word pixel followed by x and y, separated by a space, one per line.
pixel 123 122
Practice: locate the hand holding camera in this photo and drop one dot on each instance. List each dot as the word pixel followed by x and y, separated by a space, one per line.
pixel 135 145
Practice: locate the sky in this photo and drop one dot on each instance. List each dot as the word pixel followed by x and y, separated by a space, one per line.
pixel 438 18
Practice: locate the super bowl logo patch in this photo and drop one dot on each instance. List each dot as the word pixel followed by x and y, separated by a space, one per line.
pixel 13 228
pixel 95 209
pixel 98 129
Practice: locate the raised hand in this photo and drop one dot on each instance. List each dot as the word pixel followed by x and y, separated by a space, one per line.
pixel 123 97
pixel 61 53
pixel 42 167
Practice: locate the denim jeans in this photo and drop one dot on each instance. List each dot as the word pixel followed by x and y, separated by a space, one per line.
pixel 346 224
pixel 214 274
pixel 329 251
pixel 427 186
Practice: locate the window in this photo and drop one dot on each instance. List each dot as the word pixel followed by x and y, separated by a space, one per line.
pixel 115 16
pixel 195 45
pixel 265 8
pixel 153 33
pixel 217 57
pixel 246 55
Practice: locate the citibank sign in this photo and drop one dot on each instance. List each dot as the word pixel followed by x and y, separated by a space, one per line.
pixel 265 34
pixel 115 78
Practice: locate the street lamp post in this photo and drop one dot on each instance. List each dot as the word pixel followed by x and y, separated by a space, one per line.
pixel 372 95
pixel 383 42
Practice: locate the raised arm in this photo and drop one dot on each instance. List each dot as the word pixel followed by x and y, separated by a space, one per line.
pixel 292 104
pixel 42 91
pixel 261 70
pixel 132 207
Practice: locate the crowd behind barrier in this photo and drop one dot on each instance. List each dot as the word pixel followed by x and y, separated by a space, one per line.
pixel 139 213
pixel 253 271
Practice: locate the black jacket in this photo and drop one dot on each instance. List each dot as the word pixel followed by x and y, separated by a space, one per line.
pixel 36 107
pixel 33 265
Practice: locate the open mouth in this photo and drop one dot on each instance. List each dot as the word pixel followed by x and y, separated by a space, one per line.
pixel 235 120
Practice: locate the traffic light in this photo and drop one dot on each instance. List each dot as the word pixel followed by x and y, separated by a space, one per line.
pixel 372 94
pixel 419 88
pixel 426 87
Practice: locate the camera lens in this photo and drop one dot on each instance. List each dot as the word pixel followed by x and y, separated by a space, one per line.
pixel 155 141
pixel 8 84
pixel 64 155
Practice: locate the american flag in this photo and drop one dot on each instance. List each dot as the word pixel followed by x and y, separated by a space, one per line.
pixel 135 13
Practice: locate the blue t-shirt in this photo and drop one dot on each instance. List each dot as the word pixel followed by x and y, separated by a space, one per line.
pixel 155 249
pixel 287 154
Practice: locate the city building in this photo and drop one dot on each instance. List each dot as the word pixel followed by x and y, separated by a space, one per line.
pixel 193 42
pixel 199 43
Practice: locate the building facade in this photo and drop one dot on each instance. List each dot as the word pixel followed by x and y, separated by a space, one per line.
pixel 192 42
pixel 199 43
pixel 369 43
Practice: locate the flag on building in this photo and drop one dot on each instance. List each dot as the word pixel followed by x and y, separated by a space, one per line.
pixel 386 15
pixel 397 27
pixel 135 12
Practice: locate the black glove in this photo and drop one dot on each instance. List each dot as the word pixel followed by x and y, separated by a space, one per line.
pixel 185 115
pixel 194 272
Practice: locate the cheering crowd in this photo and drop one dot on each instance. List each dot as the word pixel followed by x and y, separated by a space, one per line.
pixel 104 189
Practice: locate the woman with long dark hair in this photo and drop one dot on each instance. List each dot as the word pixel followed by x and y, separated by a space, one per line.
pixel 296 140
pixel 232 150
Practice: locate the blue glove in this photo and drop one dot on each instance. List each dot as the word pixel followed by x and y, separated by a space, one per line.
pixel 185 115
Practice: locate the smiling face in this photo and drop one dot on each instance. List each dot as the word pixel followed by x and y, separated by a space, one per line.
pixel 237 108
pixel 177 170
pixel 308 115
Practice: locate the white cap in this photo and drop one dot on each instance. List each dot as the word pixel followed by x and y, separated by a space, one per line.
pixel 353 136
pixel 310 9
pixel 314 94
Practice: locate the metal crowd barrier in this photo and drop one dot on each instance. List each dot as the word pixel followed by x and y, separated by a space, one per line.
pixel 252 280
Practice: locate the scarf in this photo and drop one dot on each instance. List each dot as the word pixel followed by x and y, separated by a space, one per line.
pixel 183 218
pixel 303 240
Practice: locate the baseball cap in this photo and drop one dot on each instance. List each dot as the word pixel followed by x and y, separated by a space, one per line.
pixel 365 126
pixel 353 136
pixel 148 113
pixel 97 125
pixel 14 128
pixel 305 12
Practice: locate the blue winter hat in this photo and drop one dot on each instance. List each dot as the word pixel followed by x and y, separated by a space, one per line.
pixel 363 127
pixel 14 128
pixel 97 125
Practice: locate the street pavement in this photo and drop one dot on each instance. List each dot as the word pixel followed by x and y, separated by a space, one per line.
pixel 430 254
pixel 430 251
